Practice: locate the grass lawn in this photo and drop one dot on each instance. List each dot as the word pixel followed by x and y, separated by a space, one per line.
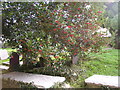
pixel 4 61
pixel 103 63
pixel 9 49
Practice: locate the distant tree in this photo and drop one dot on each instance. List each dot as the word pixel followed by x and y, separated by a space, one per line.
pixel 112 22
pixel 112 16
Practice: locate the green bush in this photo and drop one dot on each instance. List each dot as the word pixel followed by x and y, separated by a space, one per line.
pixel 56 27
pixel 115 40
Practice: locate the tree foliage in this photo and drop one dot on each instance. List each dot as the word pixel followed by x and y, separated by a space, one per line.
pixel 55 31
pixel 112 22
pixel 112 16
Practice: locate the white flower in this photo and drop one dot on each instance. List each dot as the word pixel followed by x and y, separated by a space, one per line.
pixel 88 6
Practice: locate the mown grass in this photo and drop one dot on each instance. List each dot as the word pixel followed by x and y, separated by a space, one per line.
pixel 102 63
pixel 105 63
pixel 4 61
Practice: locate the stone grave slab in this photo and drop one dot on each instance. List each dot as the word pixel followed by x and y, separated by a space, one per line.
pixel 96 81
pixel 40 81
pixel 3 54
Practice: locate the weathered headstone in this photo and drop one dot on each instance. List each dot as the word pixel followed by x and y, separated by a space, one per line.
pixel 42 62
pixel 14 61
pixel 74 60
pixel 3 54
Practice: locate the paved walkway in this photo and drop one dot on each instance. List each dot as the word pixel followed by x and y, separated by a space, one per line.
pixel 2 67
pixel 3 54
pixel 40 81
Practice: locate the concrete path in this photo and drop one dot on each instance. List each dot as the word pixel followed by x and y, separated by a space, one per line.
pixel 3 54
pixel 40 81
pixel 102 80
pixel 2 67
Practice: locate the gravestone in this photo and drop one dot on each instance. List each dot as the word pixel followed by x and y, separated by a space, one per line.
pixel 14 61
pixel 3 54
pixel 42 62
pixel 74 60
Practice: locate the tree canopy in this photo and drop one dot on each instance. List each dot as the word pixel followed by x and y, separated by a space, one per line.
pixel 60 30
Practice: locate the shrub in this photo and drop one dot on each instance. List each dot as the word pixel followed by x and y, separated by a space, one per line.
pixel 63 30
